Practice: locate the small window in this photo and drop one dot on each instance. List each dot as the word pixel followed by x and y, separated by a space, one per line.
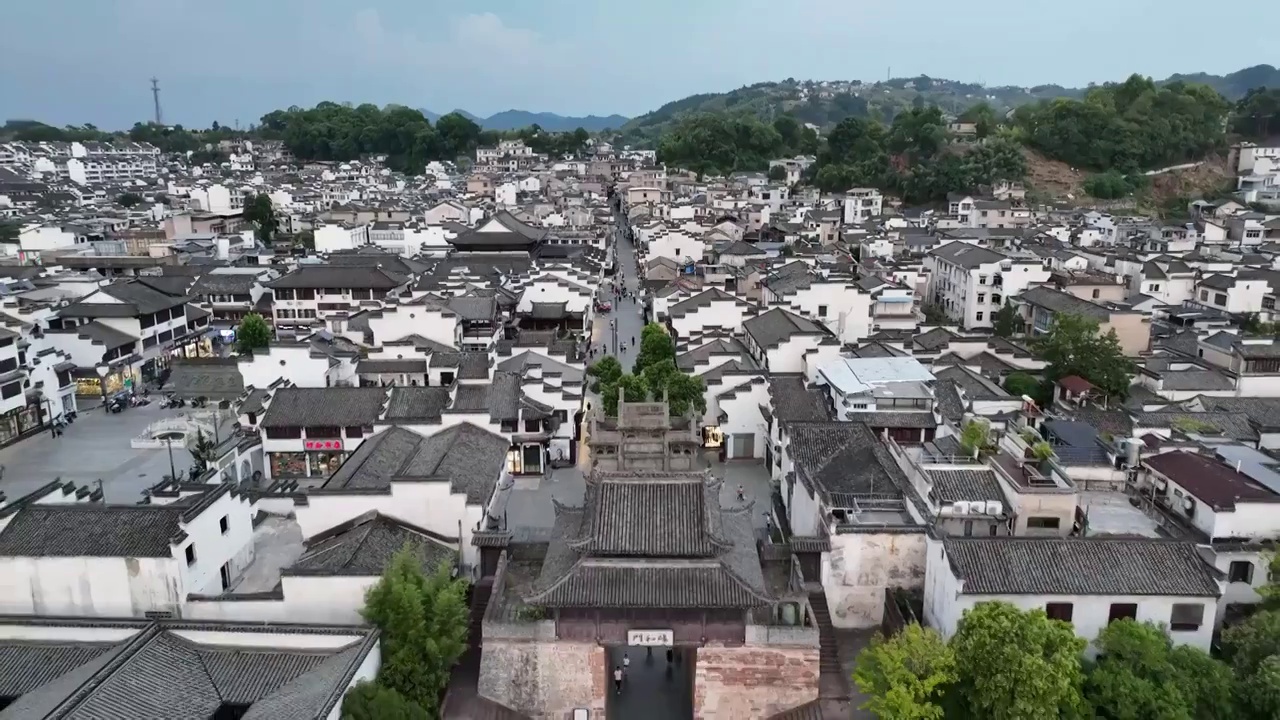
pixel 510 426
pixel 1155 287
pixel 978 317
pixel 355 431
pixel 1043 523
pixel 982 279
pixel 191 554
pixel 1219 299
pixel 982 297
pixel 1186 616
pixel 532 426
pixel 1122 611
pixel 822 311
pixel 1059 611
pixel 968 528
pixel 1240 571
pixel 224 524
pixel 1097 293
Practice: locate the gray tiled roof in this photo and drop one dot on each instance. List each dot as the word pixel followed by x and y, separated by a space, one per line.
pixel 843 458
pixel 1061 302
pixel 1080 566
pixel 777 325
pixel 93 530
pixel 655 547
pixel 158 674
pixel 793 401
pixel 324 407
pixel 685 510
pixel 416 403
pixel 330 276
pixel 964 485
pixel 364 546
pixel 470 458
pixel 25 666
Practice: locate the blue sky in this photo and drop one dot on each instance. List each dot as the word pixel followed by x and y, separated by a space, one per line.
pixel 74 61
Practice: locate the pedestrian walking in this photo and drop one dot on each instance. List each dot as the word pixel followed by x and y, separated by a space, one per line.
pixel 626 662
pixel 741 494
pixel 617 679
pixel 633 339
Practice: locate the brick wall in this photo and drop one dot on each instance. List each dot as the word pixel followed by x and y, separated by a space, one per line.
pixel 735 683
pixel 544 679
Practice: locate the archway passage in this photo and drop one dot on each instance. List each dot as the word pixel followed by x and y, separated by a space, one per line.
pixel 653 686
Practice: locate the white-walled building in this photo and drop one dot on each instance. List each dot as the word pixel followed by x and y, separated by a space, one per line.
pixel 1086 582
pixel 971 283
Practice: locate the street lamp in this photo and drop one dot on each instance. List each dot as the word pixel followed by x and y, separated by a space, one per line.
pixel 102 384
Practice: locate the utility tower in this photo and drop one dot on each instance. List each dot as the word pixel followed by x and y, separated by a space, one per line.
pixel 155 96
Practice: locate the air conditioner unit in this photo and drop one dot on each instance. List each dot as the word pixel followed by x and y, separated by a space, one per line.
pixel 960 508
pixel 995 507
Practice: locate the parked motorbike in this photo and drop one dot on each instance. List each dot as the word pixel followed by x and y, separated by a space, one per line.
pixel 138 401
pixel 116 405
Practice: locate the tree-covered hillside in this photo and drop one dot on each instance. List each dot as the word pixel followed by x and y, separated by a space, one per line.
pixel 826 103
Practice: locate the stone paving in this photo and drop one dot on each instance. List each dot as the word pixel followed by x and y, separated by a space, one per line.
pixel 95 447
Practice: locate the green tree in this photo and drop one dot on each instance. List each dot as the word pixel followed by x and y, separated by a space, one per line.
pixel 907 676
pixel 253 333
pixel 259 210
pixel 1007 322
pixel 1074 346
pixel 606 371
pixel 305 239
pixel 634 388
pixel 975 436
pixel 1016 665
pixel 1128 126
pixel 423 619
pixel 1020 383
pixel 371 701
pixel 128 199
pixel 1139 675
pixel 778 173
pixel 1257 114
pixel 9 232
pixel 202 453
pixel 664 379
pixel 655 346
pixel 983 117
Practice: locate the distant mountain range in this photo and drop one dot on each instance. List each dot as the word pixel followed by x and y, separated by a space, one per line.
pixel 516 119
pixel 825 103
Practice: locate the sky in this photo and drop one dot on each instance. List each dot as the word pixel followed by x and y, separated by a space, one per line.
pixel 90 61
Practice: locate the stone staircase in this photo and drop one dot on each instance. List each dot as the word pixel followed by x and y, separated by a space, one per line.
pixel 832 684
pixel 463 702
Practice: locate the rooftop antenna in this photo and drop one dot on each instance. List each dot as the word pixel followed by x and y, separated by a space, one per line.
pixel 155 96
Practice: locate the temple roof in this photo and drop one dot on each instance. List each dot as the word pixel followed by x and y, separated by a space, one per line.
pixel 651 540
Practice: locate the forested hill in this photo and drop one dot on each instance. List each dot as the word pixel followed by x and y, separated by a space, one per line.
pixel 825 103
pixel 1116 131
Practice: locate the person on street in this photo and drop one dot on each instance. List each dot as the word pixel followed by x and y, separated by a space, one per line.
pixel 617 679
pixel 626 662
pixel 741 494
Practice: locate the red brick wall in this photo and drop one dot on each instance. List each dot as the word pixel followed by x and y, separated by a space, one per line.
pixel 739 683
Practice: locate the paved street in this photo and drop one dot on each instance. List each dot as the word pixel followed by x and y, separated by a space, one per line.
pixel 627 313
pixel 95 446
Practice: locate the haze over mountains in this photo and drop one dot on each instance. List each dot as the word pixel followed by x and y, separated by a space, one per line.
pixel 516 119
pixel 826 108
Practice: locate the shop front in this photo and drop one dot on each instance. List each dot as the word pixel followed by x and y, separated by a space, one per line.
pixel 21 420
pixel 117 380
pixel 527 458
pixel 197 345
pixel 319 459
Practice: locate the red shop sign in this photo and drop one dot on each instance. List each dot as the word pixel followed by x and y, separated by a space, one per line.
pixel 322 444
